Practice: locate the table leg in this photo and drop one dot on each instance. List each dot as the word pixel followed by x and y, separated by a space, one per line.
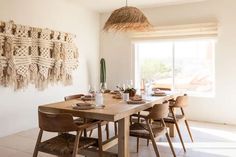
pixel 123 137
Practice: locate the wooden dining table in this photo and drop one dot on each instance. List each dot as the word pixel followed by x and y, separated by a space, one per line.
pixel 113 110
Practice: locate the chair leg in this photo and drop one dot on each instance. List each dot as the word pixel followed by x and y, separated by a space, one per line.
pixel 85 133
pixel 137 144
pixel 137 137
pixel 153 140
pixel 85 130
pixel 180 136
pixel 100 140
pixel 148 139
pixel 171 145
pixel 177 128
pixel 37 143
pixel 75 150
pixel 107 131
pixel 189 132
pixel 186 123
pixel 115 127
pixel 155 146
pixel 91 132
pixel 130 120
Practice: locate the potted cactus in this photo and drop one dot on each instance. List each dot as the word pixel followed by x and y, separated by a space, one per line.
pixel 131 91
pixel 103 74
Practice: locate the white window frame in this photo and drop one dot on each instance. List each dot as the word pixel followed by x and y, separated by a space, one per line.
pixel 136 65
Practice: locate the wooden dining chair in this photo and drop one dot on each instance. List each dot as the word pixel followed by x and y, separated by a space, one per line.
pixel 150 130
pixel 179 103
pixel 64 144
pixel 135 119
pixel 80 121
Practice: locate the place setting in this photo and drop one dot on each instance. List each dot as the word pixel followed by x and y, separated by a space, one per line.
pixel 159 93
pixel 136 100
pixel 83 106
pixel 92 103
pixel 93 100
pixel 128 94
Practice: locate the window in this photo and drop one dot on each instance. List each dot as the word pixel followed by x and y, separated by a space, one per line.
pixel 186 65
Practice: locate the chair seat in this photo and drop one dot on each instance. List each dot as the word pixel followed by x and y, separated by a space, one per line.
pixel 63 144
pixel 141 130
pixel 170 119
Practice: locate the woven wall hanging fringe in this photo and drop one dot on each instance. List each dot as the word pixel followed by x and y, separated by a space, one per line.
pixel 34 55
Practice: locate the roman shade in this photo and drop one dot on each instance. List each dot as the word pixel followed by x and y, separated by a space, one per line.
pixel 179 31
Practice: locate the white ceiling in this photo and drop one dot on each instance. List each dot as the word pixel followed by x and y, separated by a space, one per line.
pixel 109 5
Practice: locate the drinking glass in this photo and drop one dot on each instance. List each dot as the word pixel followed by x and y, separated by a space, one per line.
pixel 90 90
pixel 102 87
pixel 131 84
pixel 125 96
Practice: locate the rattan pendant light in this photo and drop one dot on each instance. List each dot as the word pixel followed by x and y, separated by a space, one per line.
pixel 127 19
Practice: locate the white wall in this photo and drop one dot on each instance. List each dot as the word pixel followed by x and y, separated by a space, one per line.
pixel 18 110
pixel 117 50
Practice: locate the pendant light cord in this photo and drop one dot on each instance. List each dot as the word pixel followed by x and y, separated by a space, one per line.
pixel 126 3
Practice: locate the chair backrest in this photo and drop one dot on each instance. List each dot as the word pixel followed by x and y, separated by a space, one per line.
pixel 181 101
pixel 56 122
pixel 73 97
pixel 159 111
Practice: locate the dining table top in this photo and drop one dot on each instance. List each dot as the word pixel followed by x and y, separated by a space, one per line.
pixel 113 110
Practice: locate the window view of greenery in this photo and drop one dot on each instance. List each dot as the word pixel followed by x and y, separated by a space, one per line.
pixel 156 63
pixel 192 61
pixel 154 69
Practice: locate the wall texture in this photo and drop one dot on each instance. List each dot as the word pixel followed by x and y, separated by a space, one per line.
pixel 18 110
pixel 117 50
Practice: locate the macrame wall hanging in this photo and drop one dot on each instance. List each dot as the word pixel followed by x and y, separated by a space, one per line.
pixel 34 55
